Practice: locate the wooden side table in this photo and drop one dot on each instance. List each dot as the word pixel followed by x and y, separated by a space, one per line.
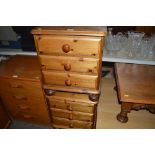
pixel 135 88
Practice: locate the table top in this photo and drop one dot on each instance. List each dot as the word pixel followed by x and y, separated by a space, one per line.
pixel 135 83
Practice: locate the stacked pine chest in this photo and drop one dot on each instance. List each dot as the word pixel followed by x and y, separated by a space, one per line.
pixel 70 62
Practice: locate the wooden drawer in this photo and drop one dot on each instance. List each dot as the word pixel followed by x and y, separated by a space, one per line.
pixel 69 45
pixel 44 120
pixel 66 123
pixel 71 105
pixel 30 106
pixel 71 102
pixel 72 115
pixel 73 64
pixel 73 97
pixel 21 87
pixel 21 101
pixel 33 110
pixel 70 79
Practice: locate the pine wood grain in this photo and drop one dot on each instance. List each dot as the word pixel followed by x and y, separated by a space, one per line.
pixel 74 79
pixel 71 30
pixel 86 46
pixel 77 64
pixel 23 95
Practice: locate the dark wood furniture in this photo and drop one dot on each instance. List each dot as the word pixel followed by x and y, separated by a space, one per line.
pixel 21 91
pixel 135 87
pixel 5 120
pixel 70 60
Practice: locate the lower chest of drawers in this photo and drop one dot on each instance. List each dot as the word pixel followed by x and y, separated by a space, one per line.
pixel 72 110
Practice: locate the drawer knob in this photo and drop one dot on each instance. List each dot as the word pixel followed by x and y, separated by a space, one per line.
pixel 66 48
pixel 19 97
pixel 49 92
pixel 71 125
pixel 67 67
pixel 24 108
pixel 70 116
pixel 27 116
pixel 69 107
pixel 15 86
pixel 68 83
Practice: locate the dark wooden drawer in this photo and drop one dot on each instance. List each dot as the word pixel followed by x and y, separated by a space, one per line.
pixel 14 87
pixel 30 106
pixel 69 45
pixel 44 120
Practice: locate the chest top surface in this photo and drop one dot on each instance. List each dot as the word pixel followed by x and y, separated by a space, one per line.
pixel 24 67
pixel 71 30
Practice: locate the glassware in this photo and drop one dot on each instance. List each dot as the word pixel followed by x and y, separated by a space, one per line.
pixel 145 48
pixel 148 48
pixel 123 45
pixel 134 43
pixel 113 43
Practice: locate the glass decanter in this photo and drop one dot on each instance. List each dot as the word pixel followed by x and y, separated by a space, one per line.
pixel 134 43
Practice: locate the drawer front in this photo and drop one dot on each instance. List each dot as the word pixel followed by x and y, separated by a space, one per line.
pixel 70 79
pixel 73 97
pixel 71 115
pixel 73 64
pixel 44 120
pixel 20 87
pixel 66 123
pixel 23 100
pixel 33 110
pixel 71 105
pixel 29 113
pixel 69 45
pixel 33 107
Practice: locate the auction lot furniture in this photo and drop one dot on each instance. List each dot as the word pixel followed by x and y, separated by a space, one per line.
pixel 21 91
pixel 135 87
pixel 70 61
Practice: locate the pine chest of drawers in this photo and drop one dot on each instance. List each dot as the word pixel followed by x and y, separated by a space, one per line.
pixel 21 91
pixel 70 61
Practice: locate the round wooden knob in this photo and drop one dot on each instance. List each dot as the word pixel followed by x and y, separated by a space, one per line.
pixel 68 83
pixel 71 125
pixel 66 48
pixel 71 116
pixel 69 107
pixel 67 67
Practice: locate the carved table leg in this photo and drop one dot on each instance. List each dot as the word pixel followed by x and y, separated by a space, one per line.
pixel 125 109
